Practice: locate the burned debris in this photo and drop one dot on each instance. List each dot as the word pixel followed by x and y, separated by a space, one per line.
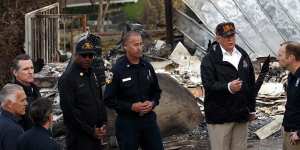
pixel 181 109
pixel 180 114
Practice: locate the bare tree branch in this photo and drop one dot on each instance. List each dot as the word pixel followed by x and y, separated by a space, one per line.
pixel 102 13
pixel 106 9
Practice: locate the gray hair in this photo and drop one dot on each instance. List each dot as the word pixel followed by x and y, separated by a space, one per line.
pixel 8 92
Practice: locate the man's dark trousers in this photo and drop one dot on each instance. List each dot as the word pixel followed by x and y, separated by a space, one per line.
pixel 133 130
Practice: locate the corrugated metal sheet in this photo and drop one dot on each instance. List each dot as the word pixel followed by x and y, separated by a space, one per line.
pixel 261 24
pixel 188 26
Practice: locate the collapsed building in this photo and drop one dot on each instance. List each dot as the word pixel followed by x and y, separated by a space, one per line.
pixel 261 25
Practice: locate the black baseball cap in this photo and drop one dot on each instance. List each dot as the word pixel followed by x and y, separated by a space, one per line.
pixel 225 29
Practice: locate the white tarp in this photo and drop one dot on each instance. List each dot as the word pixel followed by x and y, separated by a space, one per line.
pixel 271 89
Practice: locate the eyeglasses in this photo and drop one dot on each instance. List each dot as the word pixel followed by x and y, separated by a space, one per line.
pixel 87 55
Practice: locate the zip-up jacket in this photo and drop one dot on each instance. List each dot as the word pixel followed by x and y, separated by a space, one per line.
pixel 291 120
pixel 220 105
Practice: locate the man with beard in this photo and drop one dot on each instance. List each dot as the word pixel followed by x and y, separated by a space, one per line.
pixel 289 58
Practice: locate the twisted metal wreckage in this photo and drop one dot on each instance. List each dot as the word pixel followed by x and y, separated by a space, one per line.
pixel 261 24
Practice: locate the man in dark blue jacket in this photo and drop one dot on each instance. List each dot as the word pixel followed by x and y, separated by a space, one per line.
pixel 13 103
pixel 39 137
pixel 228 79
pixel 289 58
pixel 133 93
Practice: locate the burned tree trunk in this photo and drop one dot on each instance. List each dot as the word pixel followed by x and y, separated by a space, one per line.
pixel 102 11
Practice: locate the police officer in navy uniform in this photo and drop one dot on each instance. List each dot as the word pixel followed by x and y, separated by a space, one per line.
pixel 134 93
pixel 81 100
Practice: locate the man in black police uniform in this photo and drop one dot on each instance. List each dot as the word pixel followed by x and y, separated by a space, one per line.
pixel 228 79
pixel 23 71
pixel 38 137
pixel 81 100
pixel 13 103
pixel 289 58
pixel 133 93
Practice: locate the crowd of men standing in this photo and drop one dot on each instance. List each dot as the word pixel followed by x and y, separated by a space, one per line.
pixel 25 117
pixel 228 78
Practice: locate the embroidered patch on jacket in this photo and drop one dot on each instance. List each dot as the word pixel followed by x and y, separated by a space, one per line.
pixel 297 82
pixel 245 64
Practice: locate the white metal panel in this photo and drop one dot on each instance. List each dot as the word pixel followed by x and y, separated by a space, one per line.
pixel 211 17
pixel 292 7
pixel 255 15
pixel 245 28
pixel 287 27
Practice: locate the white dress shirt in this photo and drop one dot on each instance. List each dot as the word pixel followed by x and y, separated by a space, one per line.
pixel 233 58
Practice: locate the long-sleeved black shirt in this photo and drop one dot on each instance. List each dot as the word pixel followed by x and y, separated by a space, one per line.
pixel 131 83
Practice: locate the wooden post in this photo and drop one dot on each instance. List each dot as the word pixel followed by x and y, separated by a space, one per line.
pixel 169 22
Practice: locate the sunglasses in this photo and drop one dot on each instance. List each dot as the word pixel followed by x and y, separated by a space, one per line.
pixel 87 55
